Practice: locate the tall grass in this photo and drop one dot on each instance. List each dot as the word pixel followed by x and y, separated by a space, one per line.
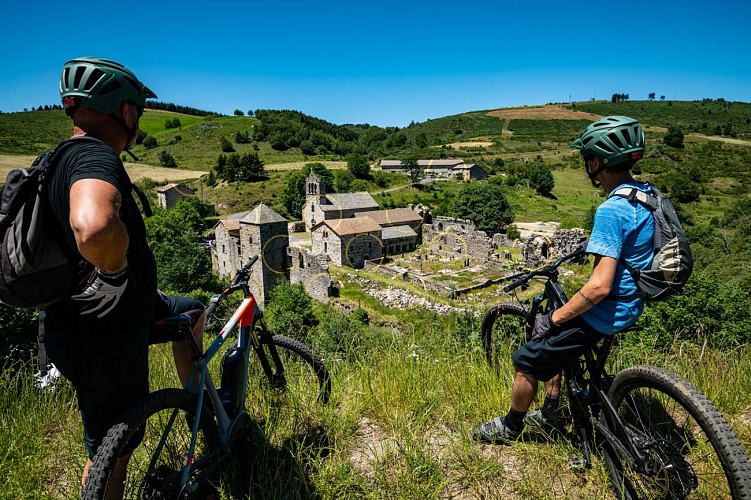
pixel 398 424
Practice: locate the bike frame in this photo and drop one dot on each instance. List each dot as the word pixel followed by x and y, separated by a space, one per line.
pixel 247 319
pixel 588 395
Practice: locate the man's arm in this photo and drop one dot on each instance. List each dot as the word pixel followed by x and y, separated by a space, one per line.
pixel 596 289
pixel 101 236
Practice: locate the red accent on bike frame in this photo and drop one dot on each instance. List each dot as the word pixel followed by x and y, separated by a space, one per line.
pixel 248 308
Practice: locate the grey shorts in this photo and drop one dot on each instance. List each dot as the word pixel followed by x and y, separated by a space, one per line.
pixel 544 359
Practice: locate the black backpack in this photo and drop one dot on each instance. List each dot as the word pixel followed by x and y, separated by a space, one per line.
pixel 37 265
pixel 673 262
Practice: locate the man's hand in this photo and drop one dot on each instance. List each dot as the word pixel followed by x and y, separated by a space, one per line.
pixel 544 326
pixel 102 291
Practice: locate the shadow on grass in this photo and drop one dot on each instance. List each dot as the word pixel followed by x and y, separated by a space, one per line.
pixel 262 469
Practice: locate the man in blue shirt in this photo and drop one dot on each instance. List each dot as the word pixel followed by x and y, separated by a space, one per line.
pixel 607 303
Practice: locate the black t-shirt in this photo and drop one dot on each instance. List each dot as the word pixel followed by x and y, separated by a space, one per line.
pixel 96 160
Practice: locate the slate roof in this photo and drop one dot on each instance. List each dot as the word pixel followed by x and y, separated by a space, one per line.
pixel 394 232
pixel 392 217
pixel 184 190
pixel 348 201
pixel 262 214
pixel 353 225
pixel 424 163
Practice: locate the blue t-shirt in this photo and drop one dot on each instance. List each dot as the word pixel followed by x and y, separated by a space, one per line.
pixel 622 229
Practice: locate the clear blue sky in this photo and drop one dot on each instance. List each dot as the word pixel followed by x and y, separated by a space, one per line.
pixel 388 62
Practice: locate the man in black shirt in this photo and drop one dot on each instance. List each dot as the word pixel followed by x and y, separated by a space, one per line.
pixel 98 338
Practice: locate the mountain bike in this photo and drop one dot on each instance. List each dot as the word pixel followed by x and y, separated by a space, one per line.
pixel 177 440
pixel 658 435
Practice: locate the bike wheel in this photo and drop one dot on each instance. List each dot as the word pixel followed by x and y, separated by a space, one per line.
pixel 298 379
pixel 158 432
pixel 503 330
pixel 691 451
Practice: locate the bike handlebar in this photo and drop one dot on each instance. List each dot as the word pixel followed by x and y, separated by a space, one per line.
pixel 240 280
pixel 546 270
pixel 243 273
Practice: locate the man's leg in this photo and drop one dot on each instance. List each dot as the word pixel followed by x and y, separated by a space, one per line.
pixel 523 391
pixel 508 428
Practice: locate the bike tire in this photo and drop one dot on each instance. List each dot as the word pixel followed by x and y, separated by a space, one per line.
pixel 298 376
pixel 503 330
pixel 692 449
pixel 142 428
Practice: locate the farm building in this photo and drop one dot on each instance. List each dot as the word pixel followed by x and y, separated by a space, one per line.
pixel 170 194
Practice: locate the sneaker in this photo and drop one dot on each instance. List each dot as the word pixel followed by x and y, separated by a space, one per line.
pixel 539 422
pixel 494 432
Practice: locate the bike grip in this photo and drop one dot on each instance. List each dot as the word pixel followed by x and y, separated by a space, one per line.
pixel 514 284
pixel 251 262
pixel 210 310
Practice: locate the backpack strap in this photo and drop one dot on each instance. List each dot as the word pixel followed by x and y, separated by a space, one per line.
pixel 144 200
pixel 145 205
pixel 649 202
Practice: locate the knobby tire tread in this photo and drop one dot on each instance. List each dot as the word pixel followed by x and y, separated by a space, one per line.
pixel 494 314
pixel 717 429
pixel 290 344
pixel 119 434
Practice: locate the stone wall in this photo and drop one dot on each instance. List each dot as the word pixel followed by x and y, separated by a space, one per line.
pixel 311 271
pixel 359 248
pixel 269 241
pixel 539 249
pixel 225 252
pixel 457 238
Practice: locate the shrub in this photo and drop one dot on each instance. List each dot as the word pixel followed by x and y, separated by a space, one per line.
pixel 166 159
pixel 226 145
pixel 290 310
pixel 674 137
pixel 150 142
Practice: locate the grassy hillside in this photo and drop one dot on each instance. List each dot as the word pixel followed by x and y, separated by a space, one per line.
pixel 691 116
pixel 408 386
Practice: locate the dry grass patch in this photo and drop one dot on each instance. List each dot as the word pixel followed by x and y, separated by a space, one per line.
pixel 299 165
pixel 136 171
pixel 471 144
pixel 543 113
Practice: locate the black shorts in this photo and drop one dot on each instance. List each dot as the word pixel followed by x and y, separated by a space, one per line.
pixel 109 374
pixel 544 359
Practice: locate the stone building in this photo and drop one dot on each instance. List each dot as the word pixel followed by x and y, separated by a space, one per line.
pixel 321 206
pixel 539 249
pixel 311 271
pixel 225 253
pixel 430 168
pixel 402 229
pixel 260 232
pixel 348 242
pixel 469 172
pixel 168 195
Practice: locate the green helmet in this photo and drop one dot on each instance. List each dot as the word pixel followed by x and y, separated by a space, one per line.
pixel 613 139
pixel 101 85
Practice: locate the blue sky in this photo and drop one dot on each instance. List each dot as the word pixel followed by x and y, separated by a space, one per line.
pixel 385 63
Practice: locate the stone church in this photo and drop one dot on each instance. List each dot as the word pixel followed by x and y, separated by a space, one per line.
pixel 321 206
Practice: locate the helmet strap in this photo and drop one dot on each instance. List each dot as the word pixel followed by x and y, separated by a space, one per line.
pixel 131 131
pixel 594 174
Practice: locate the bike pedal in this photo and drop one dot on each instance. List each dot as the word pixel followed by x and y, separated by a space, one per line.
pixel 576 461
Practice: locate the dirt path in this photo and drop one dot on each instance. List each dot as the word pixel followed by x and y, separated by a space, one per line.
pixel 726 140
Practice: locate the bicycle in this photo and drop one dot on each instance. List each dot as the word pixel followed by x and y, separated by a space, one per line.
pixel 659 436
pixel 178 439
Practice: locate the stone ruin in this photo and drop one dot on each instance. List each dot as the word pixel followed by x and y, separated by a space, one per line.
pixel 457 238
pixel 539 249
pixel 311 271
